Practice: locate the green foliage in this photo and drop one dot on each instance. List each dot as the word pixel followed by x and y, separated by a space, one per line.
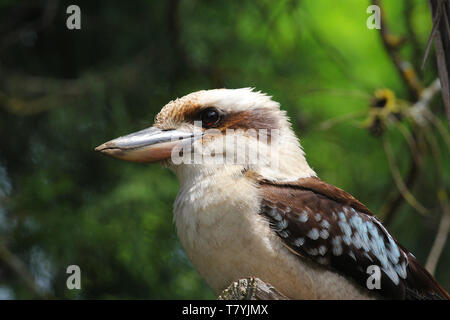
pixel 61 203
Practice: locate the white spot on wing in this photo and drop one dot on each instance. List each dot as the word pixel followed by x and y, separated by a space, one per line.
pixel 336 246
pixel 303 216
pixel 299 242
pixel 401 270
pixel 284 234
pixel 324 234
pixel 325 224
pixel 313 234
pixel 273 212
pixel 281 225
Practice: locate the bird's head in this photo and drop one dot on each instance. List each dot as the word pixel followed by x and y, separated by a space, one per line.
pixel 233 128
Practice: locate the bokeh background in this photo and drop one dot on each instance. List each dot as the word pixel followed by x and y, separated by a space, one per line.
pixel 63 92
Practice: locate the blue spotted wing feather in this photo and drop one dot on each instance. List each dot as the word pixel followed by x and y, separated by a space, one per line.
pixel 327 225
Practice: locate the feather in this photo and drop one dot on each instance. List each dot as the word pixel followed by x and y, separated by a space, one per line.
pixel 329 226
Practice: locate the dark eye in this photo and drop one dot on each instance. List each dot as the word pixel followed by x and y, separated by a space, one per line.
pixel 210 117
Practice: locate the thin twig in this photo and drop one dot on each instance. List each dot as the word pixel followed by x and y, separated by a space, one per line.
pixel 401 186
pixel 440 11
pixel 410 141
pixel 15 264
pixel 444 225
pixel 412 36
pixel 325 125
pixel 439 242
pixel 419 112
pixel 404 68
pixel 434 29
pixel 440 127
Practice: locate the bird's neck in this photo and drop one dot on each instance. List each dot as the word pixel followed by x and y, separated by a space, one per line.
pixel 281 162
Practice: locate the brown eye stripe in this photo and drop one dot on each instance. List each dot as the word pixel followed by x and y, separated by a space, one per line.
pixel 245 120
pixel 254 119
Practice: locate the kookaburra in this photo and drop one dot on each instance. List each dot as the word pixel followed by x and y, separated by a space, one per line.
pixel 276 220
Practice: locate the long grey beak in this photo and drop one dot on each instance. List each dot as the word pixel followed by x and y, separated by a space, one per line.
pixel 148 145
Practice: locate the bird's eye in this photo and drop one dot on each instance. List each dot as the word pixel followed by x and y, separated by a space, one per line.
pixel 210 117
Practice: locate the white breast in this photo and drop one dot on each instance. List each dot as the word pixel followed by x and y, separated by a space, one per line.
pixel 217 220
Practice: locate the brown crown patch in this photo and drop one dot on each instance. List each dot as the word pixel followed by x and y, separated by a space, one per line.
pixel 187 109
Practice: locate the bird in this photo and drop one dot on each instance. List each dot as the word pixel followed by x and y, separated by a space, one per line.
pixel 250 205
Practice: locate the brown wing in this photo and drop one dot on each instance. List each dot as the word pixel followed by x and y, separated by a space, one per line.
pixel 327 225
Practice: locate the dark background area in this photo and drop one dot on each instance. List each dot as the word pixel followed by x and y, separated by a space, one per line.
pixel 63 92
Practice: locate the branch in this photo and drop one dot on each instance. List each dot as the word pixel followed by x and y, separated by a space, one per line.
pixel 419 110
pixel 47 14
pixel 439 241
pixel 420 113
pixel 440 11
pixel 444 226
pixel 412 36
pixel 409 76
pixel 16 265
pixel 404 68
pixel 251 289
pixel 403 189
